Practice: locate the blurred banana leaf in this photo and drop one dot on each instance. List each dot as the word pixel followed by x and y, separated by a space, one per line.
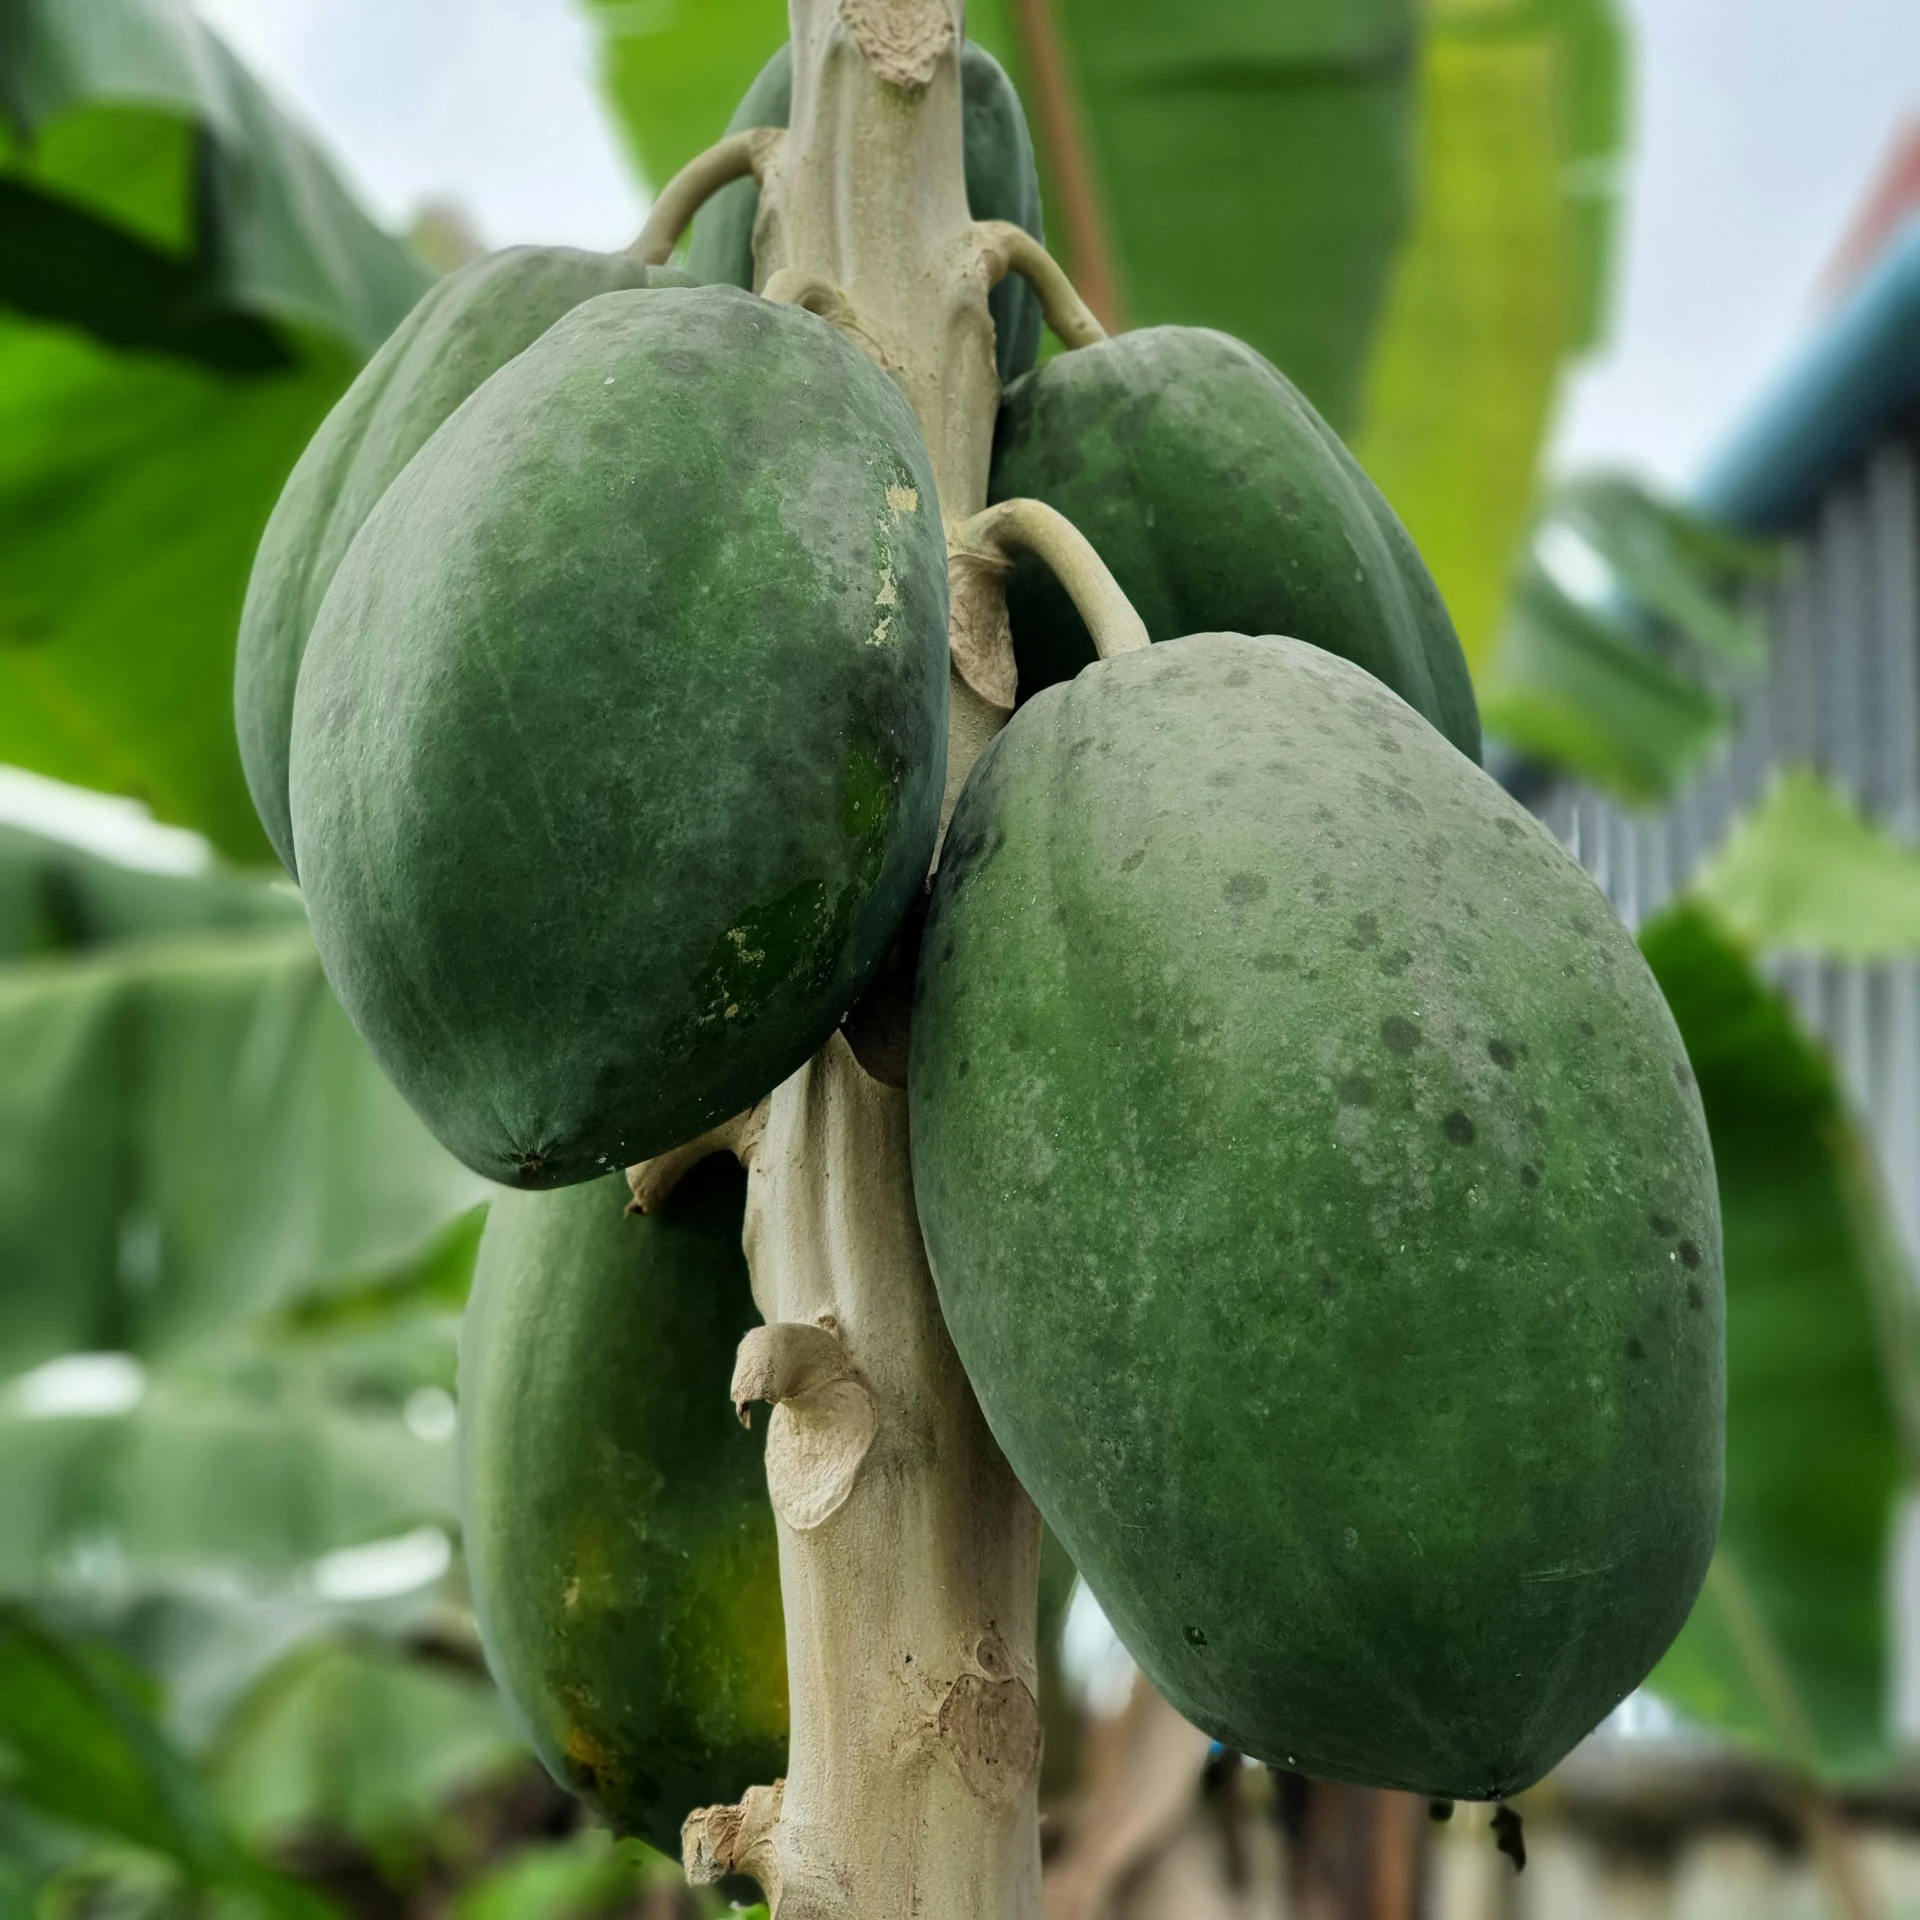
pixel 59 898
pixel 199 1482
pixel 1631 626
pixel 133 489
pixel 358 1741
pixel 190 287
pixel 231 1258
pixel 1521 119
pixel 154 196
pixel 190 1133
pixel 1253 161
pixel 1255 164
pixel 79 1749
pixel 1807 872
pixel 1408 207
pixel 1787 1648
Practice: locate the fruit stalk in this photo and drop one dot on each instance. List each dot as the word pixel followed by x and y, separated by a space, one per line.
pixel 908 1551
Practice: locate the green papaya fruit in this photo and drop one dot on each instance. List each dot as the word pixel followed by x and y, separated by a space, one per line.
pixel 1002 184
pixel 464 328
pixel 617 1533
pixel 1323 1210
pixel 619 742
pixel 1222 502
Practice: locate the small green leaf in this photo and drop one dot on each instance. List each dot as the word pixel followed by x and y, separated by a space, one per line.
pixel 77 1747
pixel 1805 872
pixel 1787 1650
pixel 357 1740
pixel 586 1874
pixel 1575 691
pixel 1628 629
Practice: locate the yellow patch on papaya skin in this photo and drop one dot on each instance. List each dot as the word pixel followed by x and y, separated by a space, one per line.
pixel 904 499
pixel 587 1753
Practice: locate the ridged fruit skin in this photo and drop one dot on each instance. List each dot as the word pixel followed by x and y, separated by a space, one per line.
pixel 465 327
pixel 1002 184
pixel 1322 1208
pixel 619 743
pixel 1223 503
pixel 617 1533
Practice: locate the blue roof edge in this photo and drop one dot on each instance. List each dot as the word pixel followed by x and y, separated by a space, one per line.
pixel 1858 372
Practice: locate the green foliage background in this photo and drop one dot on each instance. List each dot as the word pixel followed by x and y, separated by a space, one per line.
pixel 232 1263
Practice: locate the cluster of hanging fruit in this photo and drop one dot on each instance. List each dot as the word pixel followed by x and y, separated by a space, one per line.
pixel 1311 1173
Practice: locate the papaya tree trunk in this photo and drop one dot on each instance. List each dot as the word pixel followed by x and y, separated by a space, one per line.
pixel 908 1551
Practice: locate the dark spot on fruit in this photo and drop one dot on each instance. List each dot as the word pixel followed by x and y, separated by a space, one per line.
pixel 1356 1090
pixel 1147 1023
pixel 1635 1351
pixel 1386 743
pixel 1689 1255
pixel 1661 1225
pixel 1243 889
pixel 1401 1036
pixel 1583 926
pixel 1222 777
pixel 1586 1027
pixel 1195 1638
pixel 1509 826
pixel 1239 677
pixel 1329 1283
pixel 1459 1128
pixel 1695 1298
pixel 1393 965
pixel 963 1069
pixel 1320 889
pixel 946 952
pixel 1529 1178
pixel 1273 962
pixel 1501 1054
pixel 1472 913
pixel 1683 1073
pixel 1366 932
pixel 1133 860
pixel 1017 1042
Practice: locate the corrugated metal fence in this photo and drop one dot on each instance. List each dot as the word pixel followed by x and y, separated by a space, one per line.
pixel 1842 694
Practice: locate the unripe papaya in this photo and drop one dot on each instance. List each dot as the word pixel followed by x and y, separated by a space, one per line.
pixel 1002 184
pixel 619 742
pixel 465 327
pixel 1323 1211
pixel 1223 503
pixel 617 1533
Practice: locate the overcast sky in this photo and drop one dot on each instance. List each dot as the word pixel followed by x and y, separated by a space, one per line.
pixel 1759 126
